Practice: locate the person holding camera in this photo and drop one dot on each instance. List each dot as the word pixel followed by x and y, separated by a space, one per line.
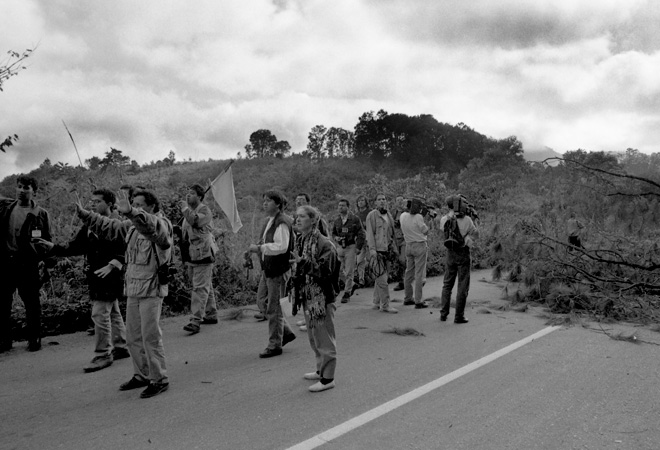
pixel 382 251
pixel 415 232
pixel 460 232
pixel 148 236
pixel 346 230
pixel 198 253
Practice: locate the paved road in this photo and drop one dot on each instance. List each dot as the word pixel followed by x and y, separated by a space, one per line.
pixel 573 388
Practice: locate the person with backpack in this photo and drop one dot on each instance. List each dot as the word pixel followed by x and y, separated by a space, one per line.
pixel 316 284
pixel 149 240
pixel 459 232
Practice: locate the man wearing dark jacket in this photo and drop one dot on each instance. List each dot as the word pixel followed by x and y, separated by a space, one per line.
pixel 22 222
pixel 274 250
pixel 346 230
pixel 105 261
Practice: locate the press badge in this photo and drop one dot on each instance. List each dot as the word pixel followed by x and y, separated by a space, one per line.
pixel 36 234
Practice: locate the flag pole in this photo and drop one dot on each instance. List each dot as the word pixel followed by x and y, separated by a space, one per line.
pixel 231 161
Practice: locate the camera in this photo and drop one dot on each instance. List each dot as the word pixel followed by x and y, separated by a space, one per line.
pixel 247 261
pixel 419 206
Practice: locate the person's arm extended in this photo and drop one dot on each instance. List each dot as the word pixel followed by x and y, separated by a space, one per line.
pixel 198 219
pixel 105 227
pixel 151 226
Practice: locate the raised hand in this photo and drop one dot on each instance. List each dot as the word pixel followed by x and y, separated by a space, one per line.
pixel 80 210
pixel 123 204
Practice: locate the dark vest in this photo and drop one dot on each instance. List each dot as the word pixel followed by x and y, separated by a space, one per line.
pixel 276 265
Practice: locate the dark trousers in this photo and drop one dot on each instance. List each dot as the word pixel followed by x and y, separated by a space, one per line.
pixel 24 277
pixel 457 264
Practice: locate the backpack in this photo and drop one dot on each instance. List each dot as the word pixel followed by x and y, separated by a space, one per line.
pixel 453 238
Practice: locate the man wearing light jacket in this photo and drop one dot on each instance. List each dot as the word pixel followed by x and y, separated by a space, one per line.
pixel 198 252
pixel 148 235
pixel 415 233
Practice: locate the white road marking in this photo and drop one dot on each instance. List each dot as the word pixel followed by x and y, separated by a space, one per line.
pixel 378 411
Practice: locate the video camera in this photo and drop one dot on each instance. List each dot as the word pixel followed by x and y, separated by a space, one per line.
pixel 419 206
pixel 247 261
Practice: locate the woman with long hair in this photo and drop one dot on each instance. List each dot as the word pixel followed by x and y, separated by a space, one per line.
pixel 315 282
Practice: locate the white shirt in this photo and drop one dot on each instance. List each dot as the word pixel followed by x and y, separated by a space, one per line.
pixel 280 242
pixel 413 227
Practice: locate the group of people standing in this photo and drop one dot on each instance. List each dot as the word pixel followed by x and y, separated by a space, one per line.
pixel 128 244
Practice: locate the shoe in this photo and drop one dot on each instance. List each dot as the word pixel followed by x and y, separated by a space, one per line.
pixel 192 328
pixel 270 352
pixel 133 383
pixel 389 310
pixel 398 287
pixel 443 318
pixel 98 363
pixel 375 307
pixel 408 302
pixel 260 317
pixel 421 305
pixel 312 376
pixel 288 338
pixel 460 320
pixel 154 389
pixel 303 328
pixel 300 323
pixel 120 353
pixel 346 297
pixel 209 321
pixel 34 345
pixel 319 387
pixel 356 286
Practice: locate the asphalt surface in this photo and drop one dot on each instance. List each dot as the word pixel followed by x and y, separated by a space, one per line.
pixel 575 388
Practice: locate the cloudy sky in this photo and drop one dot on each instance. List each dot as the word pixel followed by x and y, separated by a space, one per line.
pixel 199 77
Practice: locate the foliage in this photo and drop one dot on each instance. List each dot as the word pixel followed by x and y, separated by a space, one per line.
pixel 264 143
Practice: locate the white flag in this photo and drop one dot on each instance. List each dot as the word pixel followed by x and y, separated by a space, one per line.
pixel 223 193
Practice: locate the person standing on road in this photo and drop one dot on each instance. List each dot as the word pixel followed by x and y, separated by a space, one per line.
pixel 415 232
pixel 198 253
pixel 382 249
pixel 399 266
pixel 346 230
pixel 148 236
pixel 105 263
pixel 360 244
pixel 458 260
pixel 274 250
pixel 315 276
pixel 22 222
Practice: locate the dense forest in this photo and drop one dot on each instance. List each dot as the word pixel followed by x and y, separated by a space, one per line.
pixel 523 209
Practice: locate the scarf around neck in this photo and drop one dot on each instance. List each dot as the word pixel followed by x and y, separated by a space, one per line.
pixel 312 294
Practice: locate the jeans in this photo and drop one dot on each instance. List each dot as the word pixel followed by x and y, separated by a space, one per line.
pixel 24 277
pixel 145 338
pixel 269 293
pixel 347 258
pixel 415 269
pixel 457 264
pixel 109 329
pixel 323 343
pixel 382 289
pixel 202 297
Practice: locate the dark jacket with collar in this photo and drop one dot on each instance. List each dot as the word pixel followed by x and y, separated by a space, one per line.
pixel 37 219
pixel 276 265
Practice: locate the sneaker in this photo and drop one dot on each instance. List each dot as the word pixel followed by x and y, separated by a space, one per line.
pixel 421 305
pixel 346 297
pixel 408 302
pixel 288 338
pixel 398 287
pixel 209 321
pixel 270 352
pixel 460 320
pixel 98 363
pixel 260 317
pixel 390 310
pixel 192 328
pixel 154 389
pixel 312 376
pixel 133 383
pixel 303 328
pixel 443 318
pixel 120 353
pixel 319 387
pixel 375 307
pixel 300 323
